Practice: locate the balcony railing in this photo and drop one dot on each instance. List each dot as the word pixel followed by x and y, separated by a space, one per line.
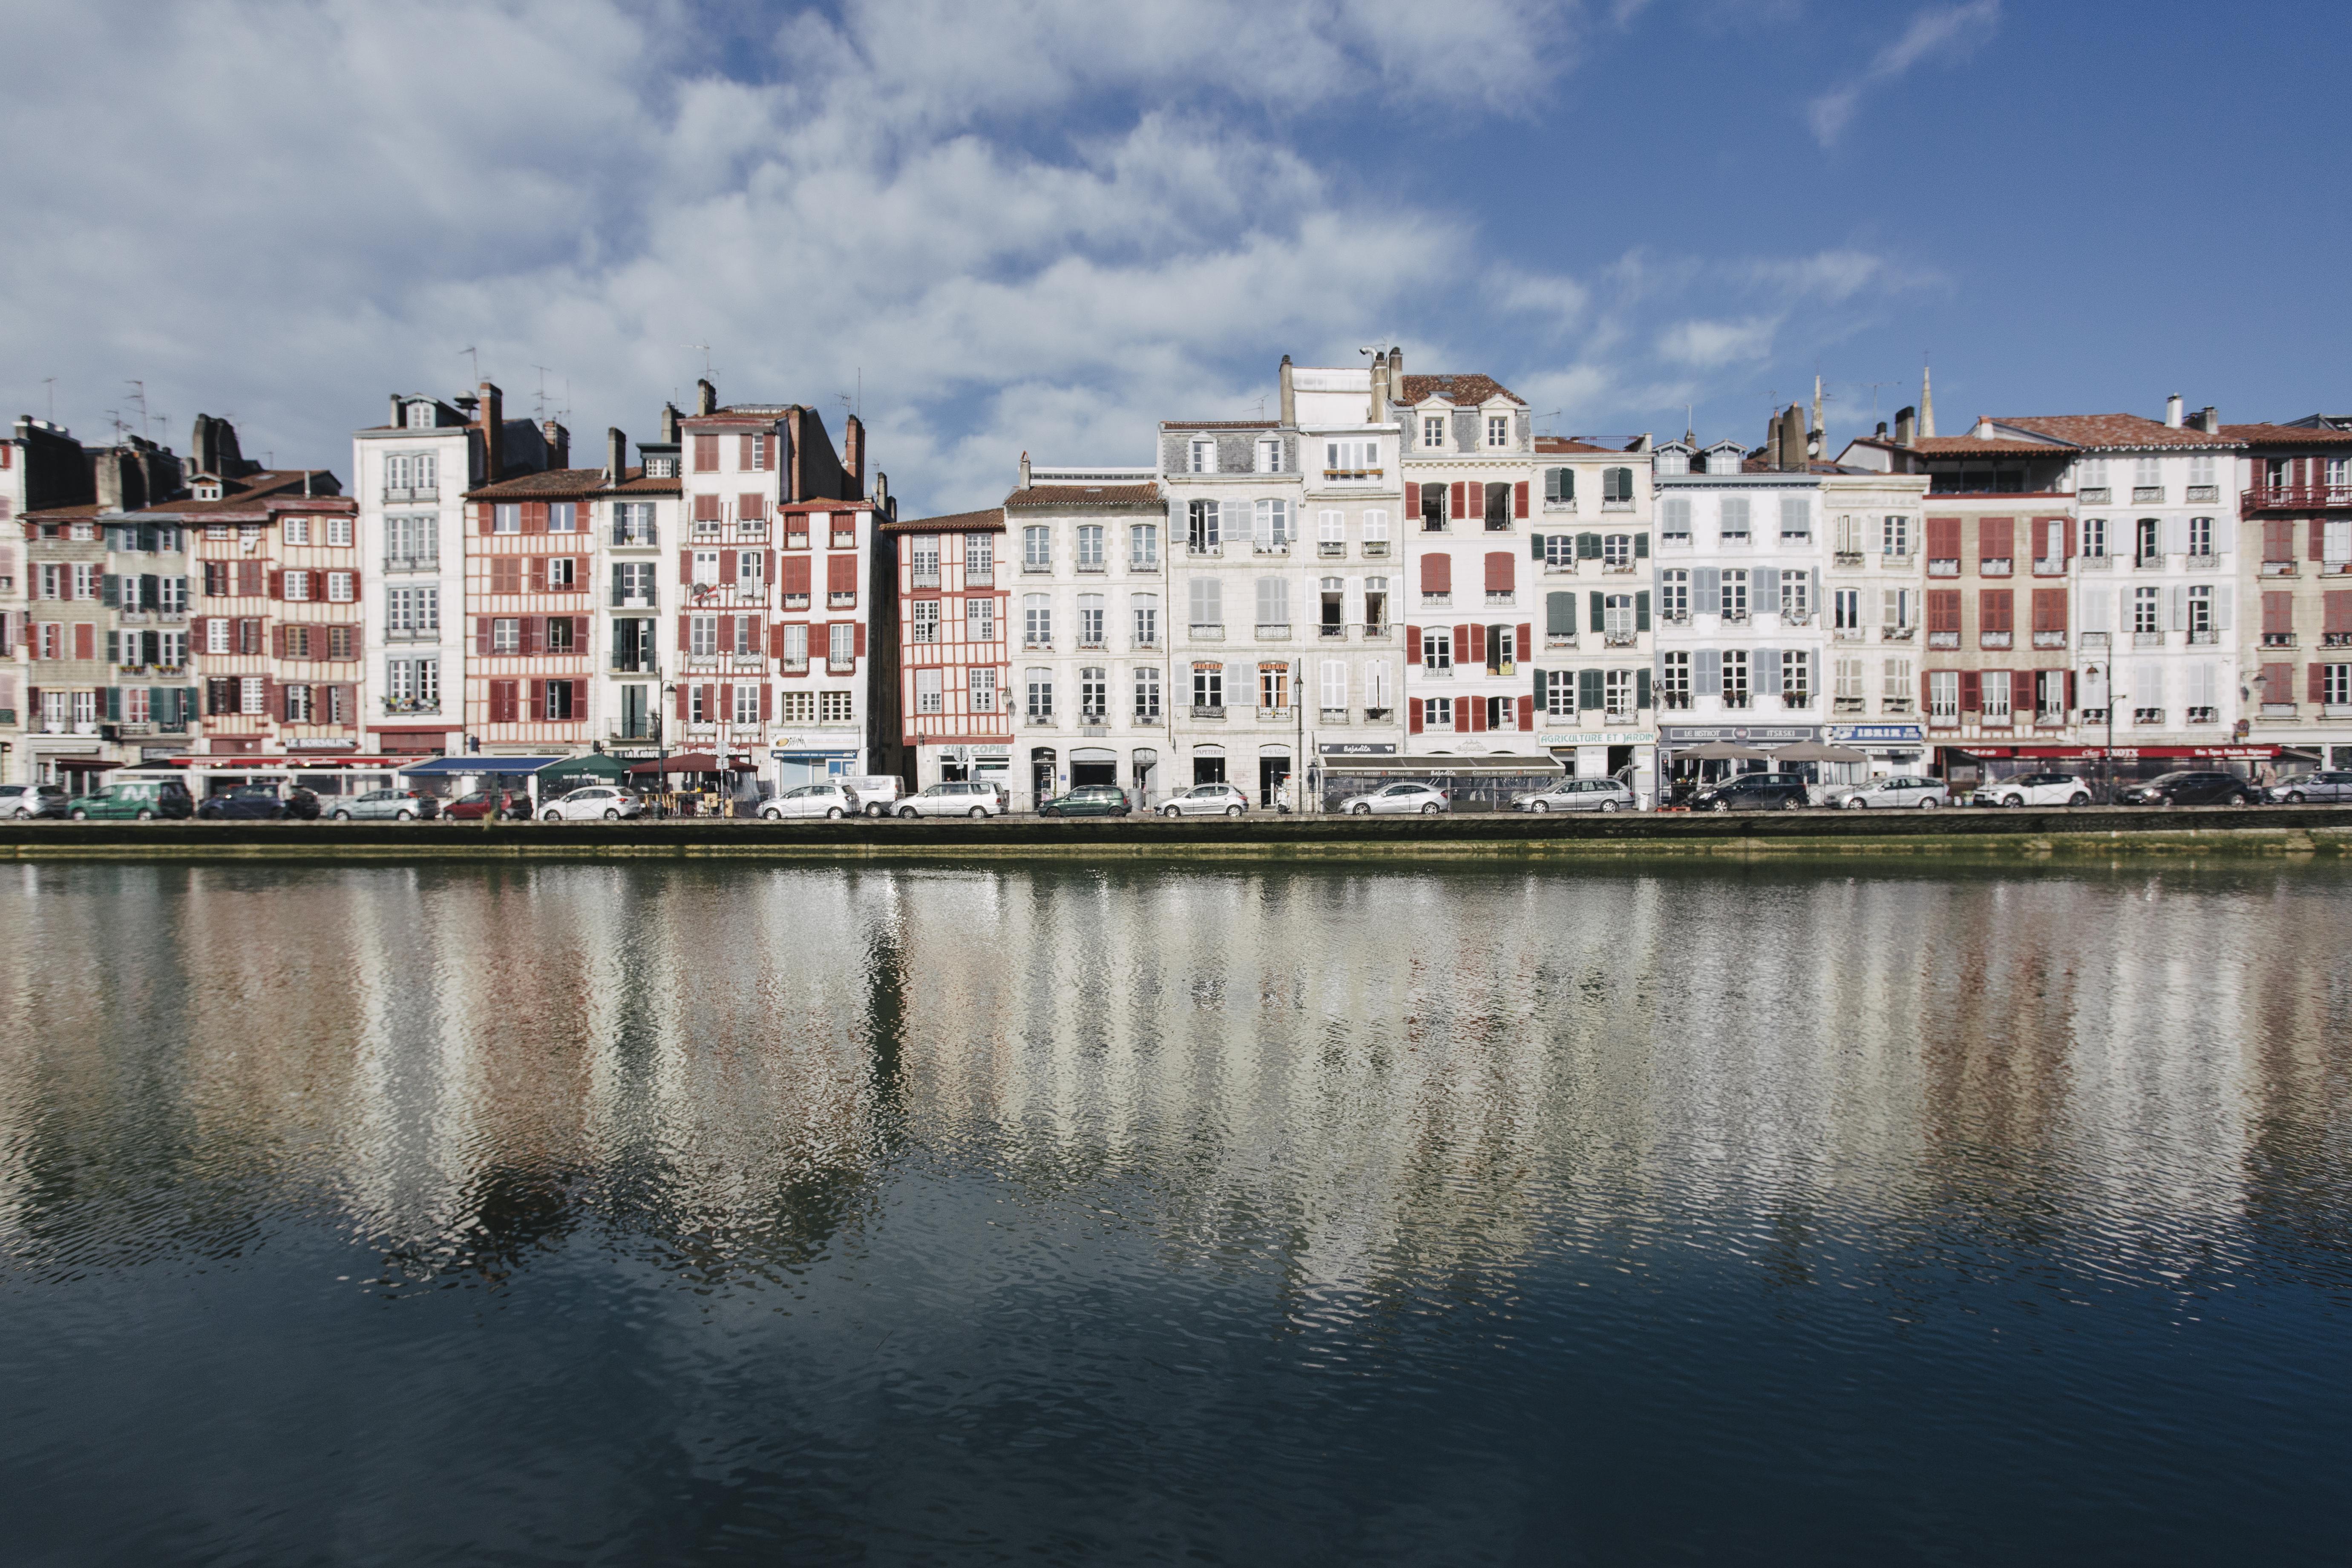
pixel 1995 566
pixel 1897 633
pixel 1325 629
pixel 2204 493
pixel 2204 561
pixel 1619 640
pixel 2204 638
pixel 2147 495
pixel 1851 705
pixel 2050 639
pixel 979 577
pixel 1995 639
pixel 412 563
pixel 2278 639
pixel 1943 639
pixel 1376 634
pixel 2267 498
pixel 1274 631
pixel 412 705
pixel 2278 568
pixel 922 579
pixel 2335 639
pixel 2096 495
pixel 1375 548
pixel 2050 566
pixel 1208 709
pixel 2097 563
pixel 1331 548
pixel 2094 642
pixel 635 536
pixel 2147 562
pixel 2148 640
pixel 1846 558
pixel 1796 700
pixel 1208 631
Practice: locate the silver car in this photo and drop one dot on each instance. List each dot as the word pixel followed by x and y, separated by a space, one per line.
pixel 830 800
pixel 1207 800
pixel 2332 786
pixel 32 800
pixel 1398 799
pixel 1903 789
pixel 592 802
pixel 1579 794
pixel 953 797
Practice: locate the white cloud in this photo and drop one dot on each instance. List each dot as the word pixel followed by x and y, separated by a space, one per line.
pixel 1710 344
pixel 1953 32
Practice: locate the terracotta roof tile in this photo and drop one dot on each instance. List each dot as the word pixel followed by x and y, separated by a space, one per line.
pixel 989 522
pixel 634 482
pixel 253 493
pixel 1467 391
pixel 825 503
pixel 1970 447
pixel 557 483
pixel 1218 425
pixel 1086 495
pixel 1567 444
pixel 2286 435
pixel 2111 430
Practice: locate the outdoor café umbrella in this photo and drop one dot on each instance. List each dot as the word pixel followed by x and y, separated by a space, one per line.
pixel 1815 751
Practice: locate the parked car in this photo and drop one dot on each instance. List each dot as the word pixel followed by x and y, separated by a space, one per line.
pixel 1089 800
pixel 2320 786
pixel 954 797
pixel 831 799
pixel 1754 792
pixel 592 802
pixel 2033 789
pixel 23 801
pixel 2189 787
pixel 877 792
pixel 1902 789
pixel 1206 800
pixel 140 800
pixel 390 805
pixel 257 802
pixel 510 804
pixel 1579 794
pixel 1402 798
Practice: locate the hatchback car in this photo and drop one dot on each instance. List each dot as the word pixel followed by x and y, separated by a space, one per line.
pixel 1754 792
pixel 831 800
pixel 954 797
pixel 1089 800
pixel 2033 789
pixel 1579 794
pixel 389 805
pixel 1903 789
pixel 137 800
pixel 2188 787
pixel 1206 800
pixel 2320 786
pixel 510 804
pixel 258 803
pixel 33 800
pixel 877 792
pixel 592 802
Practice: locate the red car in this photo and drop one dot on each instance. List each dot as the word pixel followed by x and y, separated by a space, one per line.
pixel 512 806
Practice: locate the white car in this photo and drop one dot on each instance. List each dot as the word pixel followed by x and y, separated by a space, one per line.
pixel 1903 789
pixel 2033 789
pixel 1407 799
pixel 877 792
pixel 1579 794
pixel 954 797
pixel 591 802
pixel 831 799
pixel 1207 800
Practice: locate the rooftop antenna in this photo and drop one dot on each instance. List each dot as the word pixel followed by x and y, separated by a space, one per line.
pixel 709 373
pixel 139 395
pixel 475 360
pixel 539 405
pixel 51 383
pixel 1873 386
pixel 1542 417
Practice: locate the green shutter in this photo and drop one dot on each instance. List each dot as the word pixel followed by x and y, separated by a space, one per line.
pixel 1600 615
pixel 1543 692
pixel 114 705
pixel 114 647
pixel 109 589
pixel 1641 698
pixel 1559 614
pixel 1641 612
pixel 1535 546
pixel 1588 547
pixel 1642 546
pixel 1589 690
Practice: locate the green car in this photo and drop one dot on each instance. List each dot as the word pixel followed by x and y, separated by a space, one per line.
pixel 1088 800
pixel 138 800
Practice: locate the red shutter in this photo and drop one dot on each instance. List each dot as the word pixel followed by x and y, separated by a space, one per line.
pixel 2318 540
pixel 1461 498
pixel 1971 691
pixel 2073 532
pixel 482 633
pixel 1996 610
pixel 1520 505
pixel 534 517
pixel 579 634
pixel 538 698
pixel 1498 570
pixel 768 575
pixel 1437 573
pixel 278 642
pixel 686 566
pixel 2070 678
pixel 538 573
pixel 1996 538
pixel 766 704
pixel 726 712
pixel 1943 538
pixel 2336 612
pixel 1413 713
pixel 1461 644
pixel 840 575
pixel 1412 508
pixel 580 699
pixel 1944 610
pixel 2318 679
pixel 1462 715
pixel 355 587
pixel 1526 649
pixel 1477 643
pixel 796 576
pixel 2020 691
pixel 1477 706
pixel 682 689
pixel 277 584
pixel 534 635
pixel 727 568
pixel 2049 609
pixel 1412 651
pixel 776 640
pixel 2278 613
pixel 684 641
pixel 861 639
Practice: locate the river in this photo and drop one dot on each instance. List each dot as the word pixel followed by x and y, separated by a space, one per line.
pixel 651 1214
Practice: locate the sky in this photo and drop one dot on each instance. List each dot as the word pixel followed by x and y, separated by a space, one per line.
pixel 1044 225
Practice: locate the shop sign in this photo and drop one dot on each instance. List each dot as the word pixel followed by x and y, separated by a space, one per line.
pixel 1908 732
pixel 1741 735
pixel 1597 738
pixel 1357 748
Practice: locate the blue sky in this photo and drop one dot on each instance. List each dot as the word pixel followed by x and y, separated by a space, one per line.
pixel 1043 225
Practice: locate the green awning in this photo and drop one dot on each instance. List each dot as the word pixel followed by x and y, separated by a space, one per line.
pixel 571 772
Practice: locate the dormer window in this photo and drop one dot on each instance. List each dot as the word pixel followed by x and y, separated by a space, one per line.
pixel 420 416
pixel 1498 431
pixel 1673 460
pixel 1203 459
pixel 208 489
pixel 1269 456
pixel 1432 432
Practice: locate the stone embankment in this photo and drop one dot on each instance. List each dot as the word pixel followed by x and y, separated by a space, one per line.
pixel 2095 832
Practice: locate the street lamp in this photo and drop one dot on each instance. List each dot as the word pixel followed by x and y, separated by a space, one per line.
pixel 2107 763
pixel 661 746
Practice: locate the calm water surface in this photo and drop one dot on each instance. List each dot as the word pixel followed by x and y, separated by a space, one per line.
pixel 646 1216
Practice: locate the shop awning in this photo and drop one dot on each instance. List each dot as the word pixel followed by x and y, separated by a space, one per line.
pixel 1728 751
pixel 1815 751
pixel 589 765
pixel 1543 763
pixel 442 767
pixel 684 763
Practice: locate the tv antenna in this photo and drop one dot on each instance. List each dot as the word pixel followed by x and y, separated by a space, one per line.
pixel 538 407
pixel 708 373
pixel 1542 417
pixel 474 358
pixel 51 383
pixel 138 396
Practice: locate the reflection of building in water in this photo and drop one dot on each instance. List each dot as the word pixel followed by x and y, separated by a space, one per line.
pixel 1400 1081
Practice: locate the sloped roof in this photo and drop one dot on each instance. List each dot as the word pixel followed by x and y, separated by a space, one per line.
pixel 1464 391
pixel 547 484
pixel 989 522
pixel 1218 425
pixel 1085 495
pixel 2286 435
pixel 2095 430
pixel 1973 447
pixel 1565 445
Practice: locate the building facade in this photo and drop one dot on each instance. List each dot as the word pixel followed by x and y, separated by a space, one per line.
pixel 2294 642
pixel 1592 553
pixel 953 669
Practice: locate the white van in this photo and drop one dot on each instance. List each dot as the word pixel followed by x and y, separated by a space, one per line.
pixel 877 792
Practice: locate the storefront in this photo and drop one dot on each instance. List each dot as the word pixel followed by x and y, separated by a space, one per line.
pixel 1976 765
pixel 450 777
pixel 1629 755
pixel 1892 748
pixel 1679 773
pixel 800 764
pixel 1346 768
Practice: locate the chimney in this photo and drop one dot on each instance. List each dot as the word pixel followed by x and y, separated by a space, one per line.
pixel 1817 444
pixel 669 424
pixel 705 398
pixel 494 425
pixel 616 455
pixel 1882 429
pixel 1794 456
pixel 2172 411
pixel 1380 385
pixel 1983 428
pixel 2208 420
pixel 853 454
pixel 1643 444
pixel 882 508
pixel 1396 375
pixel 1025 470
pixel 559 445
pixel 399 414
pixel 1290 398
pixel 1907 427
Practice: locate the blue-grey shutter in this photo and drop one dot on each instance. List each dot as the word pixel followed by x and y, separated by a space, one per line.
pixel 1535 546
pixel 1600 615
pixel 1589 692
pixel 114 704
pixel 1706 672
pixel 1642 546
pixel 109 589
pixel 1643 696
pixel 1543 691
pixel 1588 547
pixel 113 647
pixel 1559 614
pixel 1768 590
pixel 1706 590
pixel 1765 663
pixel 1641 612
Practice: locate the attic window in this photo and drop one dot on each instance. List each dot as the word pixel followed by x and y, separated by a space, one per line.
pixel 420 416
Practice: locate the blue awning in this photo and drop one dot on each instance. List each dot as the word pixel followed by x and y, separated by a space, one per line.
pixel 814 756
pixel 443 766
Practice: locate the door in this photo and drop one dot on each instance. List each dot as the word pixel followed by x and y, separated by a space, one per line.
pixel 1271 772
pixel 1208 769
pixel 1083 773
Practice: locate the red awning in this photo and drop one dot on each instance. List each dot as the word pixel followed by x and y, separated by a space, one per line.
pixel 684 763
pixel 2121 754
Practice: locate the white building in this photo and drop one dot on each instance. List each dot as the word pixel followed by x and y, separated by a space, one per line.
pixel 1592 543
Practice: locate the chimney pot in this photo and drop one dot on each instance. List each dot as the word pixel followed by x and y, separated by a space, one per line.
pixel 1907 427
pixel 397 412
pixel 494 433
pixel 1290 398
pixel 2209 419
pixel 669 424
pixel 1396 375
pixel 705 398
pixel 2172 411
pixel 616 455
pixel 1025 470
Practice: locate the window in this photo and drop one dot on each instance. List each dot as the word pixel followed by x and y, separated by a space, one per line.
pixel 1437 712
pixel 1617 553
pixel 1036 621
pixel 340 585
pixel 1616 487
pixel 1090 620
pixel 1332 688
pixel 1621 694
pixel 1202 521
pixel 1559 552
pixel 1498 508
pixel 800 706
pixel 1796 593
pixel 1432 432
pixel 1147 693
pixel 1146 619
pixel 1675 520
pixel 251 691
pixel 2145 612
pixel 2095 537
pixel 1735 678
pixel 1331 531
pixel 2146 473
pixel 1849 681
pixel 1271 530
pixel 834 708
pixel 1895 536
pixel 1796 677
pixel 751 566
pixel 1498 430
pixel 980 620
pixel 2336 684
pixel 413 685
pixel 706 454
pixel 1796 518
pixel 1269 455
pixel 506 517
pixel 1617 617
pixel 923 623
pixel 1438 651
pixel 1037 548
pixel 2200 531
pixel 1560 487
pixel 1204 456
pixel 1944 696
pixel 702 634
pixel 1895 689
pixel 1845 610
pixel 297 641
pixel 1350 459
pixel 747 700
pixel 86 582
pixel 217 636
pixel 297 530
pixel 1376 689
pixel 1993 697
pixel 633 523
pixel 296 585
pixel 982 685
pixel 1432 509
pixel 1733 603
pixel 1735 520
pixel 1671 460
pixel 1675 680
pixel 2092 475
pixel 2200 612
pixel 1207 605
pixel 297 704
pixel 1502 649
pixel 339 530
pixel 2148 536
pixel 1143 547
pixel 1094 695
pixel 1559 693
pixel 1090 547
pixel 1209 687
pixel 1673 593
pixel 563 517
pixel 841 644
pixel 796 648
pixel 1375 524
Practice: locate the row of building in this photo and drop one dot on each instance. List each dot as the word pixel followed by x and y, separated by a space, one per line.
pixel 1393 576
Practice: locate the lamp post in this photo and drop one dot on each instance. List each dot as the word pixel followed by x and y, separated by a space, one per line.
pixel 661 746
pixel 2107 763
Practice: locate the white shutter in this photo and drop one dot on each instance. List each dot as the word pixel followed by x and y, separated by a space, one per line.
pixel 1335 683
pixel 2176 536
pixel 2147 685
pixel 2099 609
pixel 2180 607
pixel 2202 686
pixel 2225 534
pixel 2224 596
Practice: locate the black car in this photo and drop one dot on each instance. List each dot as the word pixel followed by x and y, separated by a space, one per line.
pixel 248 803
pixel 2188 788
pixel 1753 792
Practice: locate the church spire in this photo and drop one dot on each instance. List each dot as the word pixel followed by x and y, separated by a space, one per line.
pixel 1927 403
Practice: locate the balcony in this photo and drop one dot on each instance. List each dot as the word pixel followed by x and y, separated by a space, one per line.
pixel 1376 634
pixel 1379 715
pixel 393 493
pixel 1616 506
pixel 1331 550
pixel 1897 633
pixel 411 564
pixel 2204 561
pixel 413 633
pixel 1850 705
pixel 2096 495
pixel 2278 568
pixel 1796 700
pixel 980 577
pixel 1332 715
pixel 1274 715
pixel 412 705
pixel 2278 709
pixel 2050 639
pixel 1502 601
pixel 1276 548
pixel 2335 639
pixel 1150 721
pixel 1895 705
pixel 1845 634
pixel 1093 566
pixel 1037 645
pixel 2206 638
pixel 1996 639
pixel 636 536
pixel 1204 552
pixel 796 601
pixel 2097 563
pixel 2147 562
pixel 2295 497
pixel 1674 701
pixel 1943 639
pixel 1272 631
pixel 2204 493
pixel 1331 632
pixel 922 579
pixel 1796 617
pixel 1735 700
pixel 843 539
pixel 1036 568
pixel 1352 476
pixel 2148 640
pixel 847 600
pixel 1208 631
pixel 1375 548
pixel 1436 601
pixel 1996 566
pixel 2147 495
pixel 1735 617
pixel 2278 639
pixel 2152 718
pixel 1208 710
pixel 1619 640
pixel 2203 715
pixel 2050 566
pixel 795 541
pixel 1850 559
